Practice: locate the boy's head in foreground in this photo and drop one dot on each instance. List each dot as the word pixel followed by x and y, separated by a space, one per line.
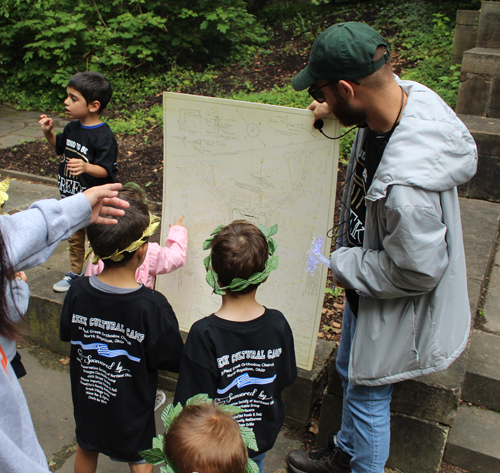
pixel 239 250
pixel 107 239
pixel 204 439
pixel 93 87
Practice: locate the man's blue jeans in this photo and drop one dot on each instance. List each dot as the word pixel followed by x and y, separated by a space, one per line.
pixel 365 432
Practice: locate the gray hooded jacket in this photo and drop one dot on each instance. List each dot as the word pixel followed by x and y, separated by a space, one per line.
pixel 414 315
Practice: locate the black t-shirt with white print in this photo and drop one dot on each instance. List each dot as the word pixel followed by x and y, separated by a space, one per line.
pixel 247 364
pixel 95 145
pixel 118 342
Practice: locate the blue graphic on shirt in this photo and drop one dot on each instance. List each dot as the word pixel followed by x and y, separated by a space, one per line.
pixel 245 380
pixel 103 350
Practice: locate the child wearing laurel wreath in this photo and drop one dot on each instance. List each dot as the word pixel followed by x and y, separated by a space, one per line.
pixel 121 334
pixel 243 354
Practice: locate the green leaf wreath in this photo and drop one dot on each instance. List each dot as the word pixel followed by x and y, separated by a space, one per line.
pixel 156 454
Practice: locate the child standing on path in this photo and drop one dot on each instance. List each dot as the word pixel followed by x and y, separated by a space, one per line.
pixel 244 353
pixel 88 148
pixel 121 334
pixel 158 260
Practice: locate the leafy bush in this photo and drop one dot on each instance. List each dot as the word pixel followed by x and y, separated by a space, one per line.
pixel 47 42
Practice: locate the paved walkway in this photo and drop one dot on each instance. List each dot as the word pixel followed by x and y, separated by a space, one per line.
pixel 17 126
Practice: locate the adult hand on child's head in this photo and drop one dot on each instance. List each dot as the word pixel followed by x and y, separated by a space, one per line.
pixel 46 123
pixel 100 197
pixel 179 222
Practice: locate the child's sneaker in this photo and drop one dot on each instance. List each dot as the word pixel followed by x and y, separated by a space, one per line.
pixel 160 399
pixel 64 284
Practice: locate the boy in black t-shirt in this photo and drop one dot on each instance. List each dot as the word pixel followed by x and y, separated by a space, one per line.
pixel 88 148
pixel 244 353
pixel 121 334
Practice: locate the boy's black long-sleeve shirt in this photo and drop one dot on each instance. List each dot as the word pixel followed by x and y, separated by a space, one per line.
pixel 247 364
pixel 118 342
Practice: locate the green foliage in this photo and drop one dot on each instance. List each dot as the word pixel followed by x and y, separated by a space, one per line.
pixel 45 43
pixel 432 52
pixel 137 121
pixel 333 293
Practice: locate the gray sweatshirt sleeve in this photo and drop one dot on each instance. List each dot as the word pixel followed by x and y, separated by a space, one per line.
pixel 32 235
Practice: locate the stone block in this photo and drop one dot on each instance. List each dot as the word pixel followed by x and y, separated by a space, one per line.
pixel 417 445
pixel 434 397
pixel 334 383
pixel 473 93
pixel 41 322
pixel 301 397
pixel 482 380
pixel 465 34
pixel 488 34
pixel 474 441
pixel 330 418
pixel 486 133
pixel 494 103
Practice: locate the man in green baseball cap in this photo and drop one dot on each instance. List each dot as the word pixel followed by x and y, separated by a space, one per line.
pixel 399 253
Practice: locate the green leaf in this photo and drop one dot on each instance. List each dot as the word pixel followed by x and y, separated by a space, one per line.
pixel 272 246
pixel 206 262
pixel 153 456
pixel 169 414
pixel 248 438
pixel 207 243
pixel 217 230
pixel 211 278
pixel 272 263
pixel 158 442
pixel 273 230
pixel 198 398
pixel 251 467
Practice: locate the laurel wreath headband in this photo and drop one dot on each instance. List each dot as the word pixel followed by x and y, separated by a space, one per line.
pixel 238 284
pixel 118 255
pixel 157 455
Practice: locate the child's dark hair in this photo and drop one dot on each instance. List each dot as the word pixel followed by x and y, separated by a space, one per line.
pixel 203 438
pixel 92 86
pixel 106 239
pixel 239 250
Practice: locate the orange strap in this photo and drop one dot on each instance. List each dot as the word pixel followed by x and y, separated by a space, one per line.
pixel 4 360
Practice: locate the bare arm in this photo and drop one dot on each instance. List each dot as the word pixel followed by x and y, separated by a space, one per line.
pixel 47 124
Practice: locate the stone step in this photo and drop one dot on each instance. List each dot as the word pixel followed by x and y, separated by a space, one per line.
pixel 474 440
pixel 482 378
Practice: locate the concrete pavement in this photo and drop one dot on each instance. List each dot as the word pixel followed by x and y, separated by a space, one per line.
pixel 17 126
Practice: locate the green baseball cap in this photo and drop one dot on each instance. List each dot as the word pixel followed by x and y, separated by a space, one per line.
pixel 344 51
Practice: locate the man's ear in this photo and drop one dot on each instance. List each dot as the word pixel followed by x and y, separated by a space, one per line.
pixel 94 106
pixel 345 89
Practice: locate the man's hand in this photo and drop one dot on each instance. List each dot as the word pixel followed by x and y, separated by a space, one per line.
pixel 46 123
pixel 76 166
pixel 321 110
pixel 100 197
pixel 179 222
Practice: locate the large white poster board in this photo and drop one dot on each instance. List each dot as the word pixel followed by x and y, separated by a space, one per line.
pixel 227 160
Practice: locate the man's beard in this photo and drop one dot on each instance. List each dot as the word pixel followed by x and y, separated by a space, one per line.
pixel 346 115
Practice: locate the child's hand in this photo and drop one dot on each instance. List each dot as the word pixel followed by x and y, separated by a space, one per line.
pixel 46 123
pixel 179 222
pixel 76 166
pixel 21 275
